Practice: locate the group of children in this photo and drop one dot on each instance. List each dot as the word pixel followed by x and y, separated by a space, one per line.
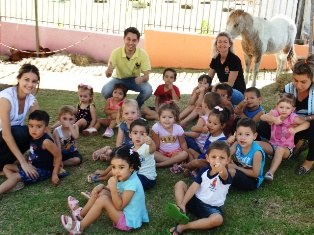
pixel 219 150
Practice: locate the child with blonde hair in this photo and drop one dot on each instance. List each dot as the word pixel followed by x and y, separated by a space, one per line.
pixel 169 137
pixel 86 111
pixel 113 104
pixel 164 93
pixel 123 198
pixel 66 135
pixel 284 125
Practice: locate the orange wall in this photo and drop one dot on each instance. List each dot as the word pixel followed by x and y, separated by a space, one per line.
pixel 169 49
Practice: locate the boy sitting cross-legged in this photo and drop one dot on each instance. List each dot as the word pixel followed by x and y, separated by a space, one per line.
pixel 44 157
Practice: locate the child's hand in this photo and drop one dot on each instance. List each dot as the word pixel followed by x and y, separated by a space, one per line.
pixel 148 140
pixel 197 91
pixel 198 110
pixel 205 129
pixel 277 120
pixel 218 168
pixel 55 179
pixel 112 182
pixel 231 139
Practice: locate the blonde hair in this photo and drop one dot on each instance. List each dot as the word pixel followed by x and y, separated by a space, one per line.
pixel 66 109
pixel 286 97
pixel 222 34
pixel 126 102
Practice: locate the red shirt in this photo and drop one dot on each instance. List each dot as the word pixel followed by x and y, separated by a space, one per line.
pixel 165 96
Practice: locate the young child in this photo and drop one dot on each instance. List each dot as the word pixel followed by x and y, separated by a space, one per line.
pixel 113 104
pixel 206 194
pixel 86 111
pixel 284 124
pixel 145 147
pixel 164 93
pixel 217 120
pixel 251 105
pixel 195 102
pixel 196 138
pixel 44 156
pixel 169 137
pixel 123 198
pixel 249 158
pixel 66 135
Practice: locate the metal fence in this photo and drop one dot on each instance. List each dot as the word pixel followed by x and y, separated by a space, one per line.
pixel 113 16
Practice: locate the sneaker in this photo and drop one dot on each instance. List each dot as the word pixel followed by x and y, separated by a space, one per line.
pixel 269 176
pixel 108 133
pixel 302 171
pixel 90 131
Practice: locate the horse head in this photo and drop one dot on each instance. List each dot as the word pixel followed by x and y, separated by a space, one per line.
pixel 238 22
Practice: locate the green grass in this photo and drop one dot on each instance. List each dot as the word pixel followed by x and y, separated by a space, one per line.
pixel 285 206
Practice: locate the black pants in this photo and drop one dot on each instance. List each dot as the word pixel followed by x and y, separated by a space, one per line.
pixel 264 132
pixel 22 139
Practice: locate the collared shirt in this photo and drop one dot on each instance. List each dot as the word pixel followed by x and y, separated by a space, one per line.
pixel 129 67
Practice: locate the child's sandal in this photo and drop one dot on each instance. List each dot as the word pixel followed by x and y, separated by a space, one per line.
pixel 74 207
pixel 67 223
pixel 93 178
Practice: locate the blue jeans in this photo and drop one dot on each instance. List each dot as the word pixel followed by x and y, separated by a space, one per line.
pixel 237 97
pixel 22 139
pixel 145 89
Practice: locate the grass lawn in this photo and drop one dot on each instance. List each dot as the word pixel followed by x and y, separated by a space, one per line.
pixel 285 206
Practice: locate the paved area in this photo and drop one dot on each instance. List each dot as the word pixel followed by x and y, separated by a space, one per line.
pixel 94 76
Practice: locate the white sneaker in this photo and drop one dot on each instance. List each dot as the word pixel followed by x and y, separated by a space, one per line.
pixel 269 176
pixel 108 133
pixel 90 131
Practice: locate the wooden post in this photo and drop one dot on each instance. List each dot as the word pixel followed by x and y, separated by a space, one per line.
pixel 36 28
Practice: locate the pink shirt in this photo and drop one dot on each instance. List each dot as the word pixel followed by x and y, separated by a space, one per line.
pixel 113 106
pixel 169 142
pixel 280 135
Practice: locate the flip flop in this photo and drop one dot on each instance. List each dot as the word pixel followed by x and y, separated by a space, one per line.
pixel 176 213
pixel 86 194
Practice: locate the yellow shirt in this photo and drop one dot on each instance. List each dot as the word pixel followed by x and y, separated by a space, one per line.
pixel 132 67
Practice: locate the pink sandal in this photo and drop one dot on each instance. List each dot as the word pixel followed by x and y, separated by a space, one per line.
pixel 176 169
pixel 72 203
pixel 67 223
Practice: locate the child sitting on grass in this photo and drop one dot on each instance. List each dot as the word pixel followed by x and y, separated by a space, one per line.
pixel 164 93
pixel 205 196
pixel 44 156
pixel 123 198
pixel 195 102
pixel 284 125
pixel 145 147
pixel 248 157
pixel 66 135
pixel 113 104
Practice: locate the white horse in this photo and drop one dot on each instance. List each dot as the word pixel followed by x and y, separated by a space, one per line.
pixel 262 36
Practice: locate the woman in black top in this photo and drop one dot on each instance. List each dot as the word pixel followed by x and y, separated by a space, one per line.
pixel 228 66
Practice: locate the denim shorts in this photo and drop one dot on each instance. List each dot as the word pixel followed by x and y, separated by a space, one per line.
pixel 43 174
pixel 69 155
pixel 201 209
pixel 192 144
pixel 147 183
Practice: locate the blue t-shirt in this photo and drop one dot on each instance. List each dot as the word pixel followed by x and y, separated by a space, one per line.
pixel 247 159
pixel 252 113
pixel 126 139
pixel 135 212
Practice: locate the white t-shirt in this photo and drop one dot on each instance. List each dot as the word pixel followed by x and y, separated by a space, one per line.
pixel 11 95
pixel 148 164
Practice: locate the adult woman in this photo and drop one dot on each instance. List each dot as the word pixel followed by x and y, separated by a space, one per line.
pixel 228 66
pixel 15 103
pixel 303 89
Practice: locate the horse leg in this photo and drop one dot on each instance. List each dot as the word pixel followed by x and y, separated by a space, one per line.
pixel 281 60
pixel 248 60
pixel 256 69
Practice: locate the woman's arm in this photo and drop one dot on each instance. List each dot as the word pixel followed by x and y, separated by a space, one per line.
pixel 257 116
pixel 232 78
pixel 211 72
pixel 9 139
pixel 157 102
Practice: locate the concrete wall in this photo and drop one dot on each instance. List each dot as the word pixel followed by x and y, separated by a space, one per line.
pixel 166 49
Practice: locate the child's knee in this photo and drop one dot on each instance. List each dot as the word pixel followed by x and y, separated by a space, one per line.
pixel 179 185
